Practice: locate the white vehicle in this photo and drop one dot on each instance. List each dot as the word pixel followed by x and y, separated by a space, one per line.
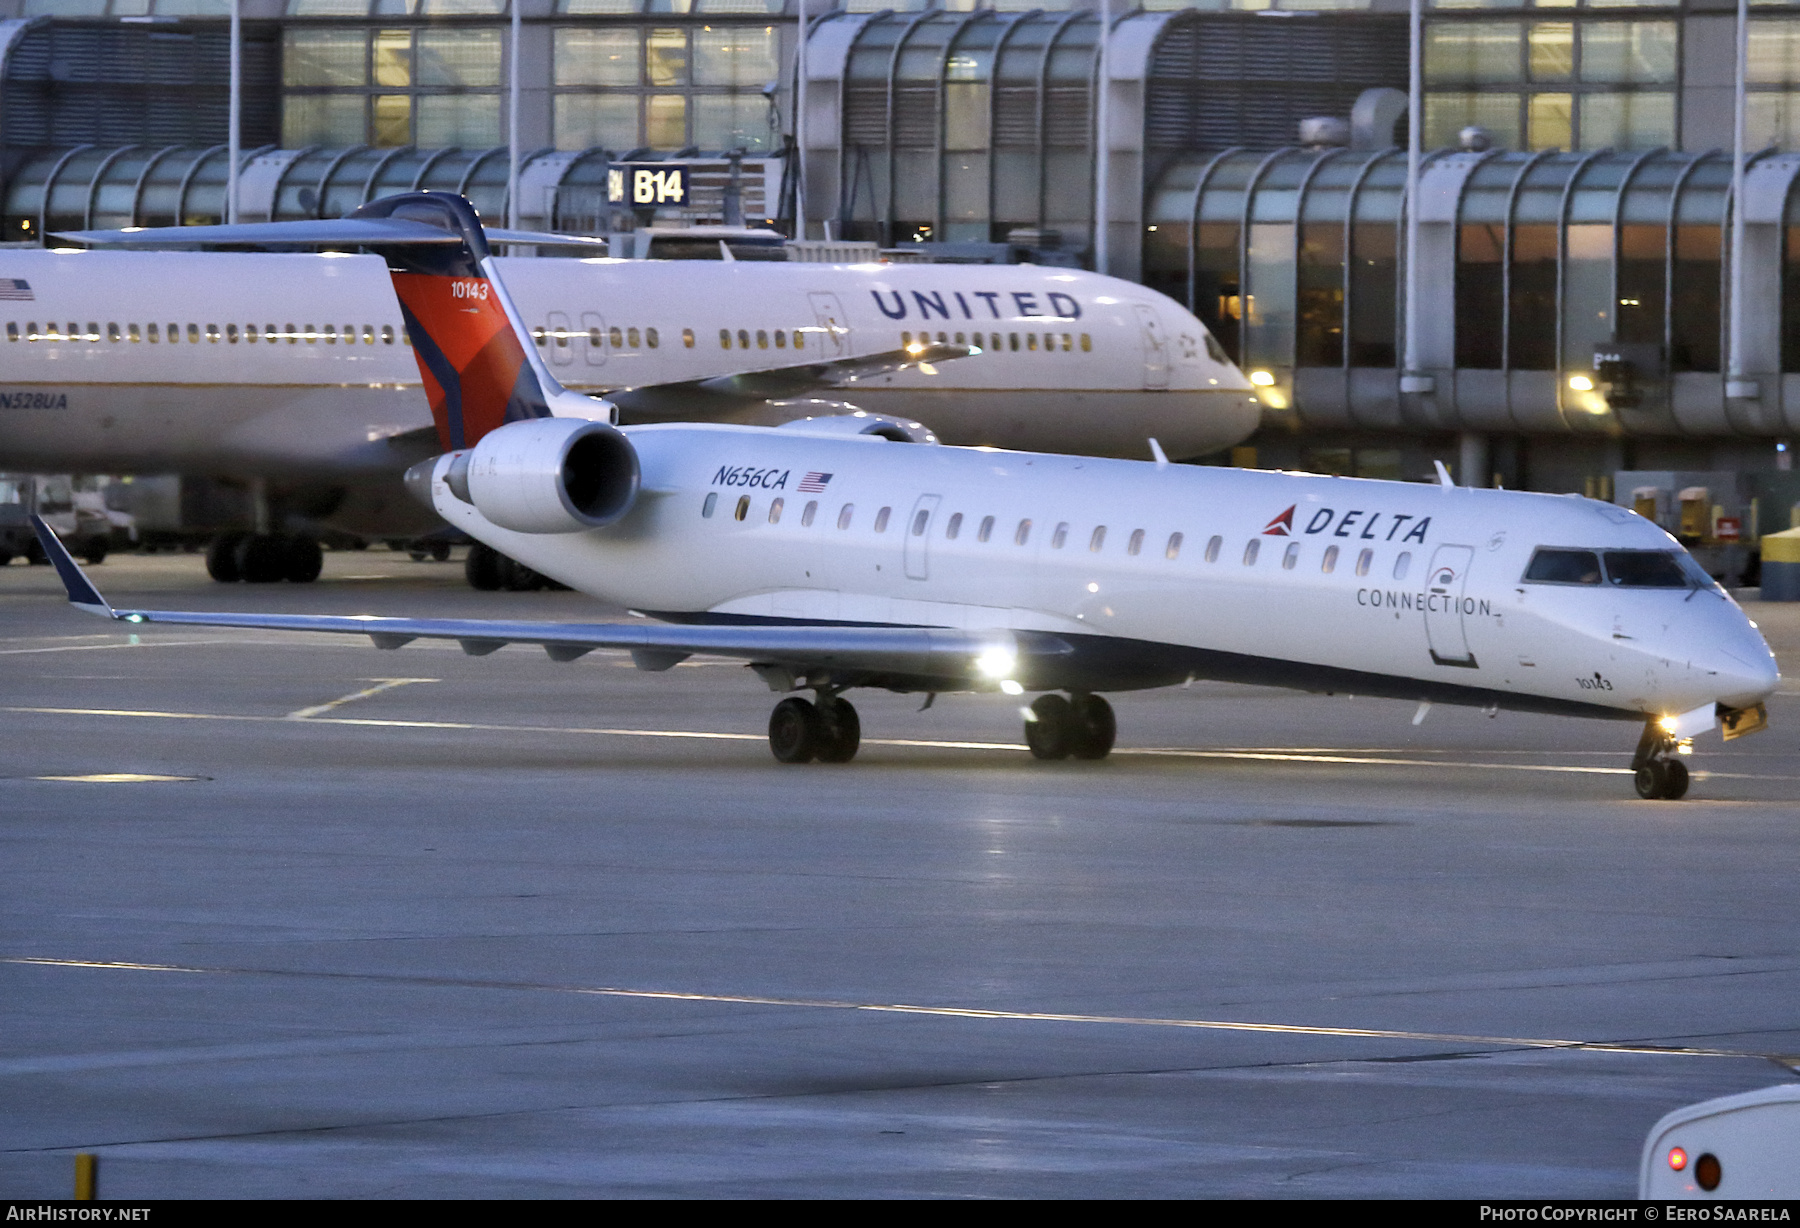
pixel 1735 1147
pixel 830 560
pixel 294 369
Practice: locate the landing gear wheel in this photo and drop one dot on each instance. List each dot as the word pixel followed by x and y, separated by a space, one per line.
pixel 482 568
pixel 34 555
pixel 302 560
pixel 1662 778
pixel 440 551
pixel 221 557
pixel 795 731
pixel 94 553
pixel 1049 730
pixel 1092 727
pixel 840 731
pixel 262 558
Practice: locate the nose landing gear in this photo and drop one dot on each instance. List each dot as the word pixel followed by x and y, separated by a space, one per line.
pixel 801 731
pixel 1656 771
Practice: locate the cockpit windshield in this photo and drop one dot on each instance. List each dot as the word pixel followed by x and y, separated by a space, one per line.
pixel 1623 568
pixel 1550 566
pixel 1651 569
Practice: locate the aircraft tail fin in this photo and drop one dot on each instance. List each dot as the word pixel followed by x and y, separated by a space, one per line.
pixel 479 363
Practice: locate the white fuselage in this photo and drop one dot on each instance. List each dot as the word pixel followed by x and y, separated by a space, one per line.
pixel 1157 573
pixel 1071 361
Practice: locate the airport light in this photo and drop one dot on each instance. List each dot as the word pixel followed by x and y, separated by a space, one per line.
pixel 1677 1159
pixel 1581 383
pixel 1262 379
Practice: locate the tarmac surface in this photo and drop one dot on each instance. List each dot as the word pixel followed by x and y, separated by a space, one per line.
pixel 286 916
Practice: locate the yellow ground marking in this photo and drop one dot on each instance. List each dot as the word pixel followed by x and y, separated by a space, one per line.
pixel 1270 754
pixel 116 778
pixel 946 1012
pixel 381 684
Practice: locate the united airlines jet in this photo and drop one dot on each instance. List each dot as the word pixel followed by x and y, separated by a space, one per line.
pixel 295 369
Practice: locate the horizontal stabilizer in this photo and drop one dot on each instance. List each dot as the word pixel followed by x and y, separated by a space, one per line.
pixel 339 232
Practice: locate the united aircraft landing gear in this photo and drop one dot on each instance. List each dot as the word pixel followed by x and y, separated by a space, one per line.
pixel 1657 773
pixel 264 558
pixel 801 731
pixel 1082 727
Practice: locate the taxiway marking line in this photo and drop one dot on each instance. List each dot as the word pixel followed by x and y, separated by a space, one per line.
pixel 132 643
pixel 381 684
pixel 1271 755
pixel 942 1012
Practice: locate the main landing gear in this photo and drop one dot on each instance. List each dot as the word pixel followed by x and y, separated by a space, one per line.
pixel 264 558
pixel 1081 726
pixel 1657 772
pixel 801 731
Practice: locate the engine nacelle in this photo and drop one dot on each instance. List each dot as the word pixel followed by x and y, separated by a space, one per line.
pixel 548 475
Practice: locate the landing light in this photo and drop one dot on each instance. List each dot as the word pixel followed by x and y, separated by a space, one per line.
pixel 996 662
pixel 1092 587
pixel 1262 379
pixel 1581 383
pixel 1009 687
pixel 1669 723
pixel 134 618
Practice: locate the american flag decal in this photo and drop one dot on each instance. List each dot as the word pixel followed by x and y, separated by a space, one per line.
pixel 813 483
pixel 16 290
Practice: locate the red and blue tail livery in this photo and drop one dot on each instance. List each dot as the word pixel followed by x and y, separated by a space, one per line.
pixel 478 374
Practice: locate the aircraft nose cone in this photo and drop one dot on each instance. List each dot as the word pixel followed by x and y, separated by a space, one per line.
pixel 1736 653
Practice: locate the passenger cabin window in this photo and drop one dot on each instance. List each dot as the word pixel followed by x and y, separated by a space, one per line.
pixel 953 528
pixel 743 507
pixel 651 339
pixel 387 334
pixel 150 331
pixel 1362 562
pixel 193 331
pixel 806 516
pixel 249 333
pixel 292 333
pixel 724 338
pixel 1328 564
pixel 1097 540
pixel 1401 564
pixel 1549 566
pixel 1173 549
pixel 1136 543
pixel 617 336
pixel 881 519
pixel 687 338
pixel 1087 343
pixel 1212 549
pixel 1290 558
pixel 775 511
pixel 987 529
pixel 231 333
pixel 1023 534
pixel 113 333
pixel 631 338
pixel 1251 550
pixel 920 521
pixel 12 332
pixel 706 509
pixel 1060 536
pixel 848 510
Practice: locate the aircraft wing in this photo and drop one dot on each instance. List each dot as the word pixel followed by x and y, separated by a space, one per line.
pixel 781 383
pixel 915 652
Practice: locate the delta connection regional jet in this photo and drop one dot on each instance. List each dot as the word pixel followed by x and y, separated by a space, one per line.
pixel 829 560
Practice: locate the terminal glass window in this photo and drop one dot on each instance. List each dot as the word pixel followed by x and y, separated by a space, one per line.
pixel 1576 83
pixel 1480 291
pixel 665 88
pixel 426 86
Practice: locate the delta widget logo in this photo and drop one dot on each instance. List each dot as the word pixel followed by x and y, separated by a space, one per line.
pixel 1282 525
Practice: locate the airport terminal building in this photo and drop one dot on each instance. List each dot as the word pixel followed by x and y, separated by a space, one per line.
pixel 1589 221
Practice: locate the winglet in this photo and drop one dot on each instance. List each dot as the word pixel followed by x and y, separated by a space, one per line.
pixel 1157 454
pixel 1443 476
pixel 82 592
